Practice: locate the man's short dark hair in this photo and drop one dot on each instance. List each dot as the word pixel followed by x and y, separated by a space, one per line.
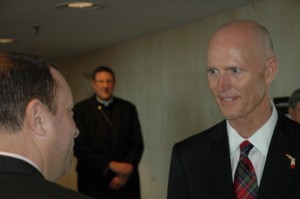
pixel 23 77
pixel 294 99
pixel 103 69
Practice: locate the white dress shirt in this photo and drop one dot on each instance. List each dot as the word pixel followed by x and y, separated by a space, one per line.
pixel 260 140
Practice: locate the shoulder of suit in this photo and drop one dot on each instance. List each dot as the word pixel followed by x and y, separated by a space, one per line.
pixel 63 192
pixel 288 127
pixel 123 102
pixel 92 101
pixel 84 102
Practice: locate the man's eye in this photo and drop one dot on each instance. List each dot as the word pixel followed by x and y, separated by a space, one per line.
pixel 212 71
pixel 235 70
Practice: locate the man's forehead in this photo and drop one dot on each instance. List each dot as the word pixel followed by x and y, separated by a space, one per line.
pixel 103 75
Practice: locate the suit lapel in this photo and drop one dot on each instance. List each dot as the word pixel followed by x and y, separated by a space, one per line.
pixel 221 175
pixel 278 176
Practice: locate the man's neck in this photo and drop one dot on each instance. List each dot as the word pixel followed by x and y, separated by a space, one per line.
pixel 105 102
pixel 247 126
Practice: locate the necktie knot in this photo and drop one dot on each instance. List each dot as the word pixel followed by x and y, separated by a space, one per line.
pixel 245 148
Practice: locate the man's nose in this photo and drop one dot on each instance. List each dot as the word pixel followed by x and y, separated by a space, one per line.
pixel 224 83
pixel 76 132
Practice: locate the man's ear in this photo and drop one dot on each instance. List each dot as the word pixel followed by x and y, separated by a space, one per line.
pixel 35 115
pixel 271 69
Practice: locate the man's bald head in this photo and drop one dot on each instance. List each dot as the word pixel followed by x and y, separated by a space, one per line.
pixel 248 34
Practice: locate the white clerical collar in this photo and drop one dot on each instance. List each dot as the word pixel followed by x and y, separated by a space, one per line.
pixel 13 155
pixel 260 139
pixel 105 103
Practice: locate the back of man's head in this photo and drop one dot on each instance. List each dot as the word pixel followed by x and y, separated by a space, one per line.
pixel 23 77
pixel 294 99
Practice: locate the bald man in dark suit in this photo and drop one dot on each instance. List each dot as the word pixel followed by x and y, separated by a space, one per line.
pixel 240 67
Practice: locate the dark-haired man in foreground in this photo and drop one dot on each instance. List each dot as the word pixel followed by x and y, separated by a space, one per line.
pixel 37 130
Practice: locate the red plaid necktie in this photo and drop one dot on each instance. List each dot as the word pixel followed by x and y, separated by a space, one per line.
pixel 245 182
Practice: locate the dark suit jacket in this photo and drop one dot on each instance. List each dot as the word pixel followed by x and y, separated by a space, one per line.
pixel 20 180
pixel 201 167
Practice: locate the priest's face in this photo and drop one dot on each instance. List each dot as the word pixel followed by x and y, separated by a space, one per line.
pixel 103 85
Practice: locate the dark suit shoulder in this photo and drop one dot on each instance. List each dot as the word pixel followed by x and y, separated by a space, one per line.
pixel 288 128
pixel 92 101
pixel 20 185
pixel 203 143
pixel 85 102
pixel 57 191
pixel 123 102
pixel 200 166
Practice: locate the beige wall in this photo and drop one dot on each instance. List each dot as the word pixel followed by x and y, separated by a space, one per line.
pixel 163 74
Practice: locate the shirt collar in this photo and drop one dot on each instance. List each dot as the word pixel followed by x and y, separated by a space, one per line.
pixel 260 139
pixel 105 103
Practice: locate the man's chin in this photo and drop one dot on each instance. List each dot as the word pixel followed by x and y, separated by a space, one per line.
pixel 229 115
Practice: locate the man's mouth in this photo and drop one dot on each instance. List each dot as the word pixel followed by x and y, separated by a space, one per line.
pixel 227 99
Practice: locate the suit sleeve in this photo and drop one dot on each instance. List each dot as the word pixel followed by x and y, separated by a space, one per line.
pixel 137 145
pixel 178 184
